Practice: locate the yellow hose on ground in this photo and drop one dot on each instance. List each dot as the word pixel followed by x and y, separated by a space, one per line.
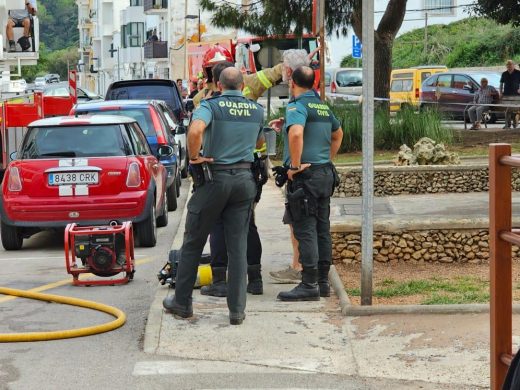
pixel 62 334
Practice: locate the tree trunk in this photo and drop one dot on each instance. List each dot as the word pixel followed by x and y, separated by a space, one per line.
pixel 382 64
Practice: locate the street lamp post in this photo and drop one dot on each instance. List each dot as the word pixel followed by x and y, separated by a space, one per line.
pixel 186 17
pixel 198 22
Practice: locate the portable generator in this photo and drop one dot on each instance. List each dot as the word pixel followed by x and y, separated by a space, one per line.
pixel 104 251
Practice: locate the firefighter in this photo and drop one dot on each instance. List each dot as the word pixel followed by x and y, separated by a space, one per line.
pixel 215 55
pixel 256 83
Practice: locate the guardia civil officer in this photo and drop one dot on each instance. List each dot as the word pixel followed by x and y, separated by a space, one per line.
pixel 312 137
pixel 228 127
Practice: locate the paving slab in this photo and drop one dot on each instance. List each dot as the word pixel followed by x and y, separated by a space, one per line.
pixel 429 351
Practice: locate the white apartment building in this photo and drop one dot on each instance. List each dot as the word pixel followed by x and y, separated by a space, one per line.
pixel 419 13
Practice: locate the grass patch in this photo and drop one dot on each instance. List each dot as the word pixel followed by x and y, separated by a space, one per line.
pixel 435 290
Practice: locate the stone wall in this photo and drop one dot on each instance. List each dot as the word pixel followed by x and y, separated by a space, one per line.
pixel 447 242
pixel 419 180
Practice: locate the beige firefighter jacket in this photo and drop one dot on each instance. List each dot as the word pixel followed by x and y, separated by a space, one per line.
pixel 255 84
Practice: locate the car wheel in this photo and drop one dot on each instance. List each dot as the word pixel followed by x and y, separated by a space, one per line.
pixel 147 229
pixel 172 196
pixel 12 238
pixel 178 183
pixel 163 219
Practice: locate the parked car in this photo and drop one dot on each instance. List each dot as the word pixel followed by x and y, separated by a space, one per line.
pixel 62 90
pixel 47 79
pixel 158 89
pixel 451 92
pixel 405 85
pixel 348 81
pixel 88 170
pixel 151 118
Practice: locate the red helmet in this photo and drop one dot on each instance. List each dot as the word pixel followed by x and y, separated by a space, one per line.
pixel 216 54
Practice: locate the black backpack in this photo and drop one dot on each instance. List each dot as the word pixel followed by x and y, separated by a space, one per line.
pixel 24 43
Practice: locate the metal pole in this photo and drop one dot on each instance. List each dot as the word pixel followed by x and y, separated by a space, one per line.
pixel 199 26
pixel 185 40
pixel 118 66
pixel 367 230
pixel 269 64
pixel 322 49
pixel 425 34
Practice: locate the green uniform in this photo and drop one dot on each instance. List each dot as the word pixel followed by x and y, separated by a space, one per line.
pixel 233 125
pixel 309 211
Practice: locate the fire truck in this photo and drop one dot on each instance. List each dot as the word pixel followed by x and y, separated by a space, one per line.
pixel 252 54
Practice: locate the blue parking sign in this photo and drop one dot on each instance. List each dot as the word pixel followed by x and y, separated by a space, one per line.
pixel 357 47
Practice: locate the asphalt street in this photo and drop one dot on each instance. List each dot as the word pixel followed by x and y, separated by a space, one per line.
pixel 95 362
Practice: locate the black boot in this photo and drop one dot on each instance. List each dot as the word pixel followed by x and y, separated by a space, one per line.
pixel 171 305
pixel 254 279
pixel 218 288
pixel 307 290
pixel 236 318
pixel 323 279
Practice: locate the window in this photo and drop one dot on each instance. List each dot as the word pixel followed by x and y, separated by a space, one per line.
pixel 444 81
pixel 439 7
pixel 460 81
pixel 139 142
pixel 431 82
pixel 74 141
pixel 134 3
pixel 403 85
pixel 132 35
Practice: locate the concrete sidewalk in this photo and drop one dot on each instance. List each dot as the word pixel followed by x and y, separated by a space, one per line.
pixel 397 351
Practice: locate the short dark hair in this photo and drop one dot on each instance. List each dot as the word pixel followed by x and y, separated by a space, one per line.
pixel 231 79
pixel 178 80
pixel 218 68
pixel 303 77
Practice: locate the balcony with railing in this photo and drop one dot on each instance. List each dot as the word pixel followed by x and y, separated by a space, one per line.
pixel 156 49
pixel 155 6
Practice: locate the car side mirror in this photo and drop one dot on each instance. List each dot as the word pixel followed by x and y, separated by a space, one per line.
pixel 13 156
pixel 165 151
pixel 468 88
pixel 180 130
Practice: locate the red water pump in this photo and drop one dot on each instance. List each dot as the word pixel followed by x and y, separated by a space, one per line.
pixel 104 251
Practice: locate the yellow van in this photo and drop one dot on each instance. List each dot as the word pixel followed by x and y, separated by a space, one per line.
pixel 405 85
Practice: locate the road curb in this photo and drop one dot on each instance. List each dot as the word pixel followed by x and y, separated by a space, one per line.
pixel 152 332
pixel 349 310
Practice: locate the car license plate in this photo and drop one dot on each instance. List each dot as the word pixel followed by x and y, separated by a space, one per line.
pixel 69 178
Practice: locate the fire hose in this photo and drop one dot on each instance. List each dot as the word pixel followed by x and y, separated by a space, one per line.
pixel 62 334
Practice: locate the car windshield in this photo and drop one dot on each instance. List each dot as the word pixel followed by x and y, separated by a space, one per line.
pixel 57 91
pixel 349 78
pixel 141 115
pixel 39 79
pixel 146 92
pixel 74 141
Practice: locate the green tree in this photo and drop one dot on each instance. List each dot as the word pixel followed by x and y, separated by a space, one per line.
pixel 350 62
pixel 58 23
pixel 503 11
pixel 264 17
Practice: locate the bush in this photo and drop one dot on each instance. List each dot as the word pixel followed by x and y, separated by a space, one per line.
pixel 407 127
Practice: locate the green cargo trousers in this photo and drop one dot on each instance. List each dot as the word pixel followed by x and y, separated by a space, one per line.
pixel 229 196
pixel 312 231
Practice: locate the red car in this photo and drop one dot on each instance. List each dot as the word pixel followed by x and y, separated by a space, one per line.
pixel 90 170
